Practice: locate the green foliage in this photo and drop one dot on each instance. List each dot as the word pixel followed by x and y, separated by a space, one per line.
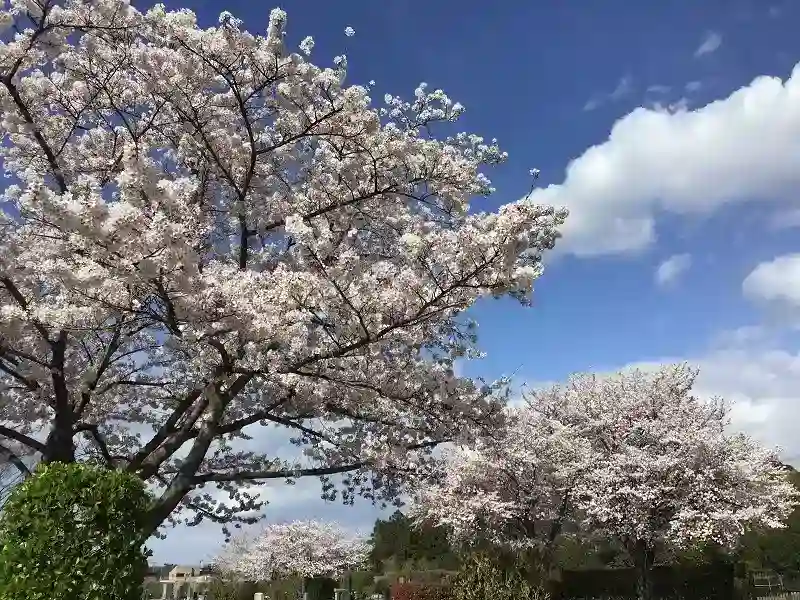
pixel 74 532
pixel 320 588
pixel 220 589
pixel 398 545
pixel 482 578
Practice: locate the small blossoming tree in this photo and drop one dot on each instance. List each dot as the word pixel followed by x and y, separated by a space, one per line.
pixel 299 548
pixel 205 233
pixel 515 490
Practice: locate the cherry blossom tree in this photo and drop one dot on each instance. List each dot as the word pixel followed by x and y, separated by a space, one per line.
pixel 514 491
pixel 665 471
pixel 299 548
pixel 633 457
pixel 204 233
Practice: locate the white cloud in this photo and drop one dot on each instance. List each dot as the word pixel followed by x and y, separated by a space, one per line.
pixel 671 269
pixel 693 86
pixel 775 282
pixel 711 43
pixel 774 285
pixel 623 89
pixel 681 162
pixel 764 386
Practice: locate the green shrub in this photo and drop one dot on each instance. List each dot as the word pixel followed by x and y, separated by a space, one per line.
pixel 74 532
pixel 482 578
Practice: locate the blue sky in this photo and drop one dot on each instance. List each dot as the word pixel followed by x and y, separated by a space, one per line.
pixel 675 152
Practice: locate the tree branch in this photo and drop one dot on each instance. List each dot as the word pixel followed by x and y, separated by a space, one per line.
pixel 22 439
pixel 15 460
pixel 283 474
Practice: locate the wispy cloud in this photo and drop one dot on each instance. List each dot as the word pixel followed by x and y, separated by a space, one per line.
pixel 658 89
pixel 785 219
pixel 624 88
pixel 693 86
pixel 711 43
pixel 671 269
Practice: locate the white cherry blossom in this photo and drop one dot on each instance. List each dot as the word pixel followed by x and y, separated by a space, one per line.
pixel 204 233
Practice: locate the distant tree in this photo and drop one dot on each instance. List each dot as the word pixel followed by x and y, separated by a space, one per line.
pixel 776 549
pixel 481 577
pixel 300 548
pixel 398 541
pixel 633 458
pixel 665 472
pixel 515 490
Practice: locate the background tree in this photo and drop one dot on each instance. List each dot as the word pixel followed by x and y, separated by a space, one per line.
pixel 399 541
pixel 482 578
pixel 300 548
pixel 206 233
pixel 665 472
pixel 515 489
pixel 776 549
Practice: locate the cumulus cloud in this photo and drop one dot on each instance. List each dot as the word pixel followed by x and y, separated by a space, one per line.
pixel 682 162
pixel 764 386
pixel 710 44
pixel 671 269
pixel 775 282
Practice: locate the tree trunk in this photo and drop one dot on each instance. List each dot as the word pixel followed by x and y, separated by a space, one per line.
pixel 643 556
pixel 59 446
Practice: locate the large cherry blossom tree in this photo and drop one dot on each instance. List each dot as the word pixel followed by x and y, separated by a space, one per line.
pixel 204 232
pixel 299 548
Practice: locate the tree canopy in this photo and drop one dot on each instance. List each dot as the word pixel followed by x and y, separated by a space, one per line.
pixel 206 234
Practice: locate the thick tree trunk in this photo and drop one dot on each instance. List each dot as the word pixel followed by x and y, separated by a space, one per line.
pixel 59 446
pixel 643 556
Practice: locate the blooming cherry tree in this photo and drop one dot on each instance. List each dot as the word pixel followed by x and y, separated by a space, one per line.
pixel 633 457
pixel 665 472
pixel 304 548
pixel 204 233
pixel 515 490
